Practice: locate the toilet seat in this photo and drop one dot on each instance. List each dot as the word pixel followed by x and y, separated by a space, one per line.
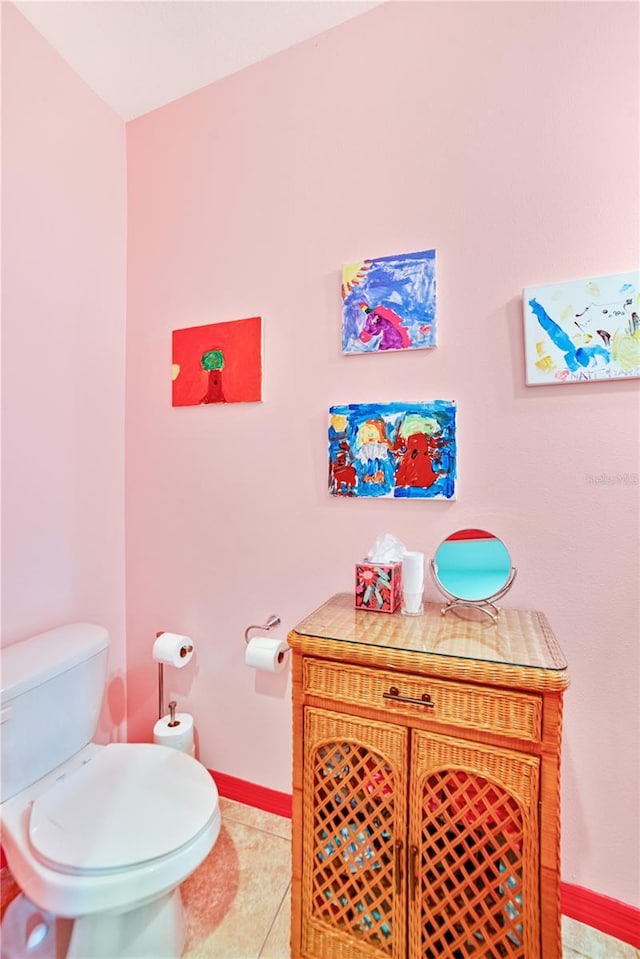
pixel 128 805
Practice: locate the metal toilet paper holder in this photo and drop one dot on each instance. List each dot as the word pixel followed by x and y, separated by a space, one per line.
pixel 172 714
pixel 272 621
pixel 186 649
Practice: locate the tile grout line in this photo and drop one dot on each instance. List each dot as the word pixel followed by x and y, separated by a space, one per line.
pixel 250 825
pixel 273 835
pixel 273 921
pixel 232 805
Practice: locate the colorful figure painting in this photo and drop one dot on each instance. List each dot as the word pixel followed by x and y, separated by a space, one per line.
pixel 389 304
pixel 218 363
pixel 583 330
pixel 400 450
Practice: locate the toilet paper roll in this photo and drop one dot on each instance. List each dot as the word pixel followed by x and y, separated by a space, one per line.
pixel 173 649
pixel 266 654
pixel 177 737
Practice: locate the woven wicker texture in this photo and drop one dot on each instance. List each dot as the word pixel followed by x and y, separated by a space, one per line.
pixel 426 786
pixel 475 891
pixel 354 811
pixel 507 713
pixel 519 649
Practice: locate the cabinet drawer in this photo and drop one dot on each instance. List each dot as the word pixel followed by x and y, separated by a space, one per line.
pixel 507 713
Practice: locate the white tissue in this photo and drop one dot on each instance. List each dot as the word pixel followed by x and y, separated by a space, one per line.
pixel 386 549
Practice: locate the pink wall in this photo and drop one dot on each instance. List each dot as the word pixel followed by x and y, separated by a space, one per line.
pixel 63 338
pixel 504 135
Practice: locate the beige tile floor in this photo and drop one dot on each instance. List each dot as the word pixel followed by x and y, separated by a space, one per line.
pixel 237 902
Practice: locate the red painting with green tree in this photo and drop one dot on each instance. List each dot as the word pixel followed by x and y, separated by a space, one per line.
pixel 218 363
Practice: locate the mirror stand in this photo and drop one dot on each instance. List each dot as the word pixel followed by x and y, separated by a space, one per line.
pixel 487 605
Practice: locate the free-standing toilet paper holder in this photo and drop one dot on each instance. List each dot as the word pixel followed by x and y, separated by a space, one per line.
pixel 187 648
pixel 272 621
pixel 172 714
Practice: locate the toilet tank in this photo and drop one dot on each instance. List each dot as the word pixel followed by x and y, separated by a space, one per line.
pixel 51 693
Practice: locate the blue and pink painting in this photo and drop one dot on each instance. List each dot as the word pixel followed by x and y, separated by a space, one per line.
pixel 389 303
pixel 581 331
pixel 394 450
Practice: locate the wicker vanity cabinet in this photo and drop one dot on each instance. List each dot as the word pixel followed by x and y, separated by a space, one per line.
pixel 426 785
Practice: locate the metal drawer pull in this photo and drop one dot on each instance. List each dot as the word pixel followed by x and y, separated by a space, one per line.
pixel 413 872
pixel 394 694
pixel 398 865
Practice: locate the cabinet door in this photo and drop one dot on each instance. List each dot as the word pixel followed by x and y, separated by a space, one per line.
pixel 473 851
pixel 354 826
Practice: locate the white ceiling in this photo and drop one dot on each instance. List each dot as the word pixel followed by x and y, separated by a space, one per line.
pixel 138 55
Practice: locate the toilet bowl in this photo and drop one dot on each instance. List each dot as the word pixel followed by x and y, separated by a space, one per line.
pixel 98 838
pixel 107 838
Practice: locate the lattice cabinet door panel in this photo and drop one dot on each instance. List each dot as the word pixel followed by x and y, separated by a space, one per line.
pixel 473 851
pixel 354 829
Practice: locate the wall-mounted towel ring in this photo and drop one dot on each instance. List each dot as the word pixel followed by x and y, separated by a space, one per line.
pixel 272 621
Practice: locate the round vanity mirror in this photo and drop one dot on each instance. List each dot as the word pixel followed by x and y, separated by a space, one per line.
pixel 473 568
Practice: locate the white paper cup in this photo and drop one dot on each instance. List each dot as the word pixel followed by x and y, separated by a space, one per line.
pixel 412 603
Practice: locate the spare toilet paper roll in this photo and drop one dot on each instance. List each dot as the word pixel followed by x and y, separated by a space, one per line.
pixel 173 649
pixel 177 737
pixel 266 654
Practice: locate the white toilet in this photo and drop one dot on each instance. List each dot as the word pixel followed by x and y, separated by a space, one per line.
pixel 101 836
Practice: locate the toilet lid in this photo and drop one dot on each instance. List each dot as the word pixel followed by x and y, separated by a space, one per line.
pixel 129 804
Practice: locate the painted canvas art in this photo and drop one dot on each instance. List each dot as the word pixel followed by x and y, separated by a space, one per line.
pixel 399 450
pixel 583 330
pixel 218 363
pixel 389 303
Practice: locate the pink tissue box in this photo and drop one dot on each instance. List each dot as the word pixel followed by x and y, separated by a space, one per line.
pixel 378 586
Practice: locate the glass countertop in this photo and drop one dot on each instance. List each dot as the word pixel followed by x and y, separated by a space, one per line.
pixel 518 638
